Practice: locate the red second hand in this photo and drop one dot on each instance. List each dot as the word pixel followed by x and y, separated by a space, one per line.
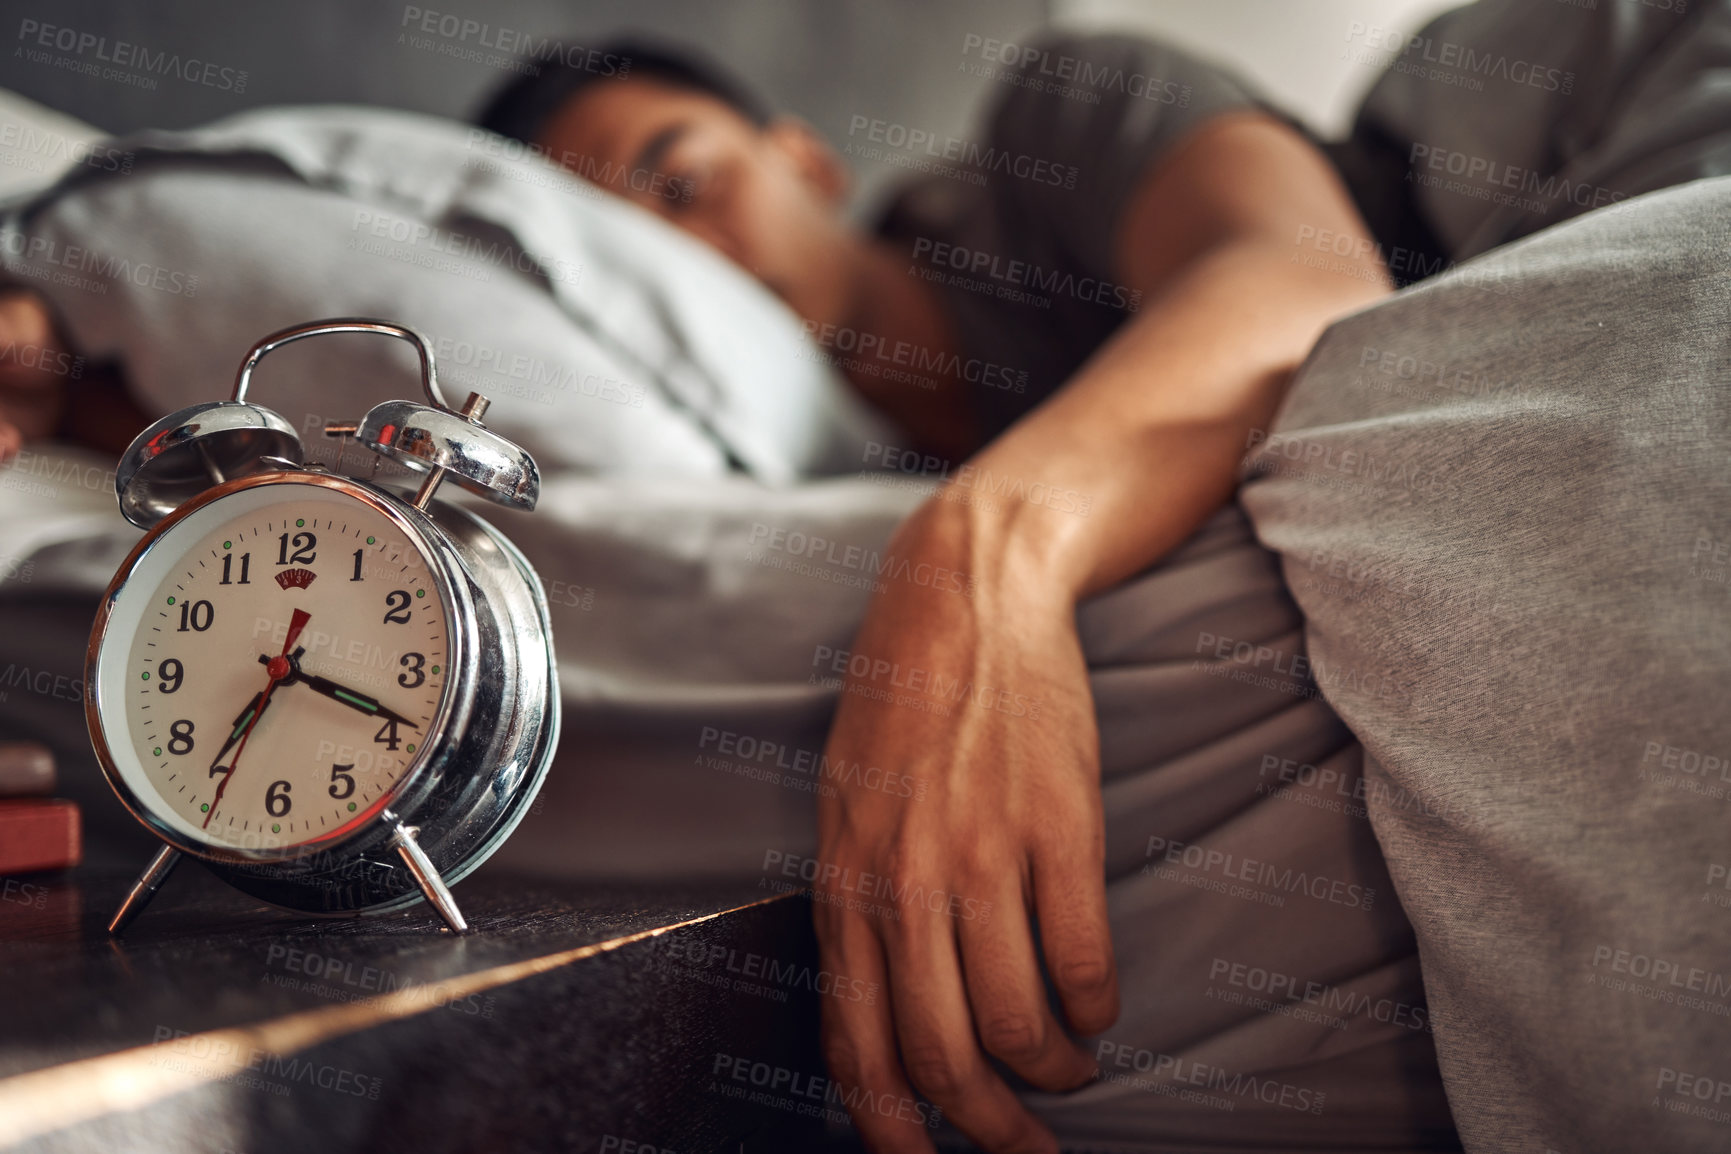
pixel 277 669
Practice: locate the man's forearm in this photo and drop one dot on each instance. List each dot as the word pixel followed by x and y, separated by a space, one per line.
pixel 1148 435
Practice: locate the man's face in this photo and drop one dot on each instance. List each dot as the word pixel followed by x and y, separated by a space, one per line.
pixel 768 197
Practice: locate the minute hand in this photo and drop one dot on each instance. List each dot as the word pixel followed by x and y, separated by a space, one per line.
pixel 349 697
pixel 240 724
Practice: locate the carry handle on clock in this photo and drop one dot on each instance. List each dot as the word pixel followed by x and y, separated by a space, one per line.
pixel 188 451
pixel 429 375
pixel 434 439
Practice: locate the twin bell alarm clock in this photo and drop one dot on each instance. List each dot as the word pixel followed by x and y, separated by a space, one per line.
pixel 339 697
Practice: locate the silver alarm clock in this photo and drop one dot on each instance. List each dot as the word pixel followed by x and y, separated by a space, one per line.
pixel 341 698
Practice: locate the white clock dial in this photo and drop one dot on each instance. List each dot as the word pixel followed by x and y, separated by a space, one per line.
pixel 285 652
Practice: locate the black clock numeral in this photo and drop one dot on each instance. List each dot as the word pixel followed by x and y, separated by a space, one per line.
pixel 276 798
pixel 417 663
pixel 168 675
pixel 305 544
pixel 358 554
pixel 196 615
pixel 387 734
pixel 245 568
pixel 397 603
pixel 340 777
pixel 180 738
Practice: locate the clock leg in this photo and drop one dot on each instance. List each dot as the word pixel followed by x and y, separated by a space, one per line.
pixel 145 887
pixel 431 883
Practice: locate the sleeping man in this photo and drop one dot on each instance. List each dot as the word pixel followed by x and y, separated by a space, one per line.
pixel 1172 220
pixel 1152 259
pixel 1201 896
pixel 1167 225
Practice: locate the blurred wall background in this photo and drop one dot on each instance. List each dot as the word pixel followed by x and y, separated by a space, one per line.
pixel 833 61
pixel 830 60
pixel 1293 50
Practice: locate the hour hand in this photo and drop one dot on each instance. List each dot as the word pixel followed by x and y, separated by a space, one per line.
pixel 240 724
pixel 349 697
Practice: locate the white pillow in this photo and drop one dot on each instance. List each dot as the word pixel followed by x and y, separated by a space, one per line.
pixel 38 145
pixel 608 340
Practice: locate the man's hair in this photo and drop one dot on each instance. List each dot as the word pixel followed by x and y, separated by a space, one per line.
pixel 523 106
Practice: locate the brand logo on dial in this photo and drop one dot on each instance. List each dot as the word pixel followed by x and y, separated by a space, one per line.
pixel 295 578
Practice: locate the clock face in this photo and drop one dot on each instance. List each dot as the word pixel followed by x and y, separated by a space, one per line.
pixel 274 667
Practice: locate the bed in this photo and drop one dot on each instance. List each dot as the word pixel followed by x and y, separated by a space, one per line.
pixel 1511 595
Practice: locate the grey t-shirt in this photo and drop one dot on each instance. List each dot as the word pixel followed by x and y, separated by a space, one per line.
pixel 1020 240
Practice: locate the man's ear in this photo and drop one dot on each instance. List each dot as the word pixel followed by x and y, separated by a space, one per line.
pixel 812 155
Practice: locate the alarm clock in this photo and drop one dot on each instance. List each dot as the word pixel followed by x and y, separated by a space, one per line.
pixel 339 696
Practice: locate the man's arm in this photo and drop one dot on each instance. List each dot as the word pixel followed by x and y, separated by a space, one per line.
pixel 1149 432
pixel 1152 428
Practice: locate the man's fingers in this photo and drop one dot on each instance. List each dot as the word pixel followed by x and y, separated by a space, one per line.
pixel 1070 902
pixel 859 1038
pixel 1011 1014
pixel 934 1027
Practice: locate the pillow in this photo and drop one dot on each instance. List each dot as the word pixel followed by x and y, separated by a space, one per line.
pixel 38 145
pixel 1502 501
pixel 608 340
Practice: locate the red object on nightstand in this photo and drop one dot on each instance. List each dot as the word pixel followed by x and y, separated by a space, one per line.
pixel 38 834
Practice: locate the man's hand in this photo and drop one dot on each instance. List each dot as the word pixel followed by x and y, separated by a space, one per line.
pixel 1146 437
pixel 31 392
pixel 983 701
pixel 48 391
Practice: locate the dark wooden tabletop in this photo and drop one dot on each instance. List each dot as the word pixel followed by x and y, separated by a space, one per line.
pixel 576 1017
